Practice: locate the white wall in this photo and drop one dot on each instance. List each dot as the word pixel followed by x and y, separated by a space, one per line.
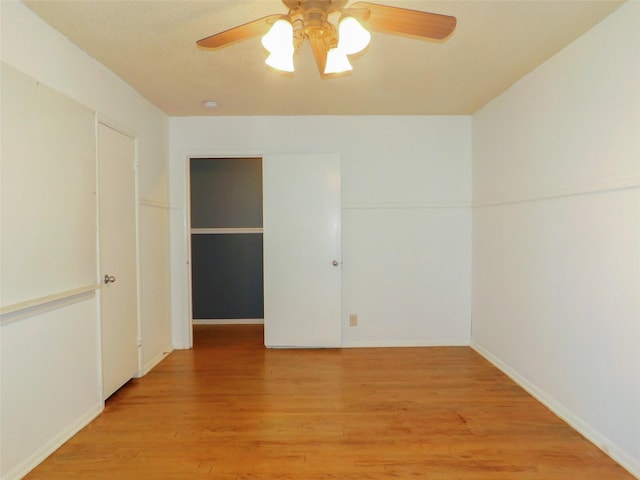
pixel 50 361
pixel 556 234
pixel 406 217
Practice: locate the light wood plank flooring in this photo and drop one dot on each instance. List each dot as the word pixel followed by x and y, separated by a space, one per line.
pixel 231 410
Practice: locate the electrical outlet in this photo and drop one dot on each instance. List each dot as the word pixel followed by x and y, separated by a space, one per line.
pixel 353 320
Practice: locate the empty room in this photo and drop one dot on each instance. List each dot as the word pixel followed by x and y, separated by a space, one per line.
pixel 415 255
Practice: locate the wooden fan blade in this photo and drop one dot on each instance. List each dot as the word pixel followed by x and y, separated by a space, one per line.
pixel 241 32
pixel 386 19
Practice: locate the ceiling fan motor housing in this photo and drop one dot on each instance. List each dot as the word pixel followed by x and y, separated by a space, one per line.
pixel 310 20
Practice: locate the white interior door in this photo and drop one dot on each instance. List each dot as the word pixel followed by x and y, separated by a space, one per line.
pixel 118 266
pixel 302 265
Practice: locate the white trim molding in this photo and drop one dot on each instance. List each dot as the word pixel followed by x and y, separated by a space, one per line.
pixel 405 343
pixel 151 364
pixel 229 321
pixel 564 413
pixel 8 312
pixel 37 457
pixel 611 185
pixel 148 202
pixel 406 205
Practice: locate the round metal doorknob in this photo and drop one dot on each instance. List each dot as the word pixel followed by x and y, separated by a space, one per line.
pixel 335 263
pixel 109 279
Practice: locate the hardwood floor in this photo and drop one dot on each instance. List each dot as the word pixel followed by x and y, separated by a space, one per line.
pixel 230 409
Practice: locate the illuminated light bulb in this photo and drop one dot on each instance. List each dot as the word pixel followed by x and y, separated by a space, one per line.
pixel 337 62
pixel 352 37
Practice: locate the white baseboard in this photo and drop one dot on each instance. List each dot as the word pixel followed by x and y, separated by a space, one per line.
pixel 404 343
pixel 147 367
pixel 602 442
pixel 37 457
pixel 230 321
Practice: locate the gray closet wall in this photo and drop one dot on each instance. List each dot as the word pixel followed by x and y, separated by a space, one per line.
pixel 226 238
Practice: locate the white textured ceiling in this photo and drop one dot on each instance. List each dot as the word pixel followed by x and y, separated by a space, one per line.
pixel 151 45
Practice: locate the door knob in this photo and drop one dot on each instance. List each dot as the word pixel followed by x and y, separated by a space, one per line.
pixel 109 279
pixel 335 263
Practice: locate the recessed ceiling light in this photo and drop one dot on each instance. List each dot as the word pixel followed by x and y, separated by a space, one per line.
pixel 210 104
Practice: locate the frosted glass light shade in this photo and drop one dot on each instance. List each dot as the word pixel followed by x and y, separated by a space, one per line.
pixel 279 42
pixel 337 62
pixel 279 38
pixel 352 37
pixel 281 61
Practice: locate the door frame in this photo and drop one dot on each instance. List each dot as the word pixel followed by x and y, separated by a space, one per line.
pixel 182 317
pixel 113 124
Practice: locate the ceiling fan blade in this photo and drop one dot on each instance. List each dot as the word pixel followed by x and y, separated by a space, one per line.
pixel 386 19
pixel 241 32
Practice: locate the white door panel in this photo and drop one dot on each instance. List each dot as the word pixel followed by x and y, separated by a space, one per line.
pixel 302 265
pixel 119 293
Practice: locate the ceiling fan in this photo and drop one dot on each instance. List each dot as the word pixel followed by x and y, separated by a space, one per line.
pixel 309 19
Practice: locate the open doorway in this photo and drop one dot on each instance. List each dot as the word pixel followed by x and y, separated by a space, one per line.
pixel 226 241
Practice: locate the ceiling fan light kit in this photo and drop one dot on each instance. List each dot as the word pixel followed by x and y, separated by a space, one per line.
pixel 279 43
pixel 281 61
pixel 309 20
pixel 279 37
pixel 337 62
pixel 352 37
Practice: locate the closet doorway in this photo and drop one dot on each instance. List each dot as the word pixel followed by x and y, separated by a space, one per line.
pixel 226 235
